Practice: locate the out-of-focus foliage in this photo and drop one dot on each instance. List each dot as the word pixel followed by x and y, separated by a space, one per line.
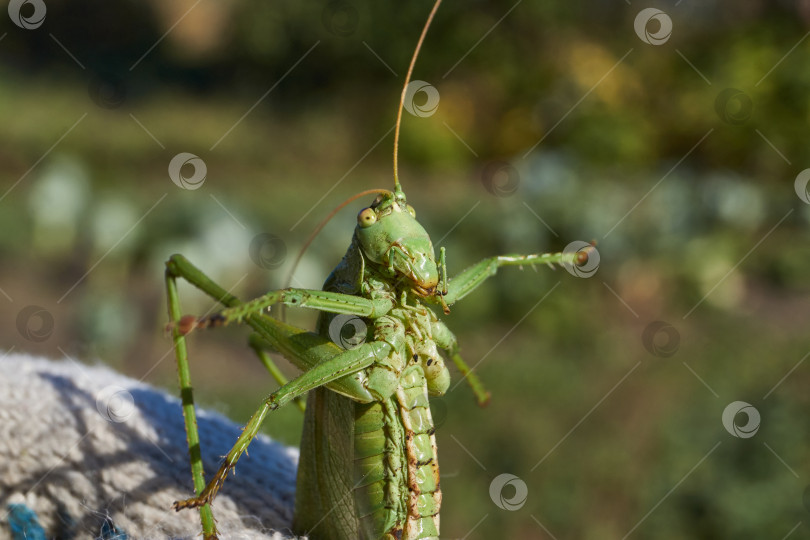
pixel 639 147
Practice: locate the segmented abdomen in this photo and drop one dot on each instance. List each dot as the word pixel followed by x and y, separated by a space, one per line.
pixel 396 467
pixel 424 494
pixel 378 471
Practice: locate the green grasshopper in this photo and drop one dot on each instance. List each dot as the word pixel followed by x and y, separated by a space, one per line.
pixel 368 466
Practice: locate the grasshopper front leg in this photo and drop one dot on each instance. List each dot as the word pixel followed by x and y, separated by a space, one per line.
pixel 469 279
pixel 331 302
pixel 448 342
pixel 466 282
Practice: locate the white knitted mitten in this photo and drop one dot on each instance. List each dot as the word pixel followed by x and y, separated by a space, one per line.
pixel 95 454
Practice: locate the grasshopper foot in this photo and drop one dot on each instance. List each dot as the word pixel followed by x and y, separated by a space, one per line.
pixel 187 323
pixel 195 502
pixel 208 494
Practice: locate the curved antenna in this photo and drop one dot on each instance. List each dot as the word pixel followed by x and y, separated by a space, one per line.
pixel 322 224
pixel 397 186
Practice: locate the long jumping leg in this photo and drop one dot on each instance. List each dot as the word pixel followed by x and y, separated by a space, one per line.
pixel 323 362
pixel 187 397
pixel 341 365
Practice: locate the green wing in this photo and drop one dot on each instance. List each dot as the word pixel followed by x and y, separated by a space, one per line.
pixel 324 507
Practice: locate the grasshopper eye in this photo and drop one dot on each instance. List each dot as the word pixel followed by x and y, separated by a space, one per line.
pixel 411 211
pixel 366 218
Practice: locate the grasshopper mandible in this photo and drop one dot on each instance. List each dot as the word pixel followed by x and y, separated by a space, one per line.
pixel 369 465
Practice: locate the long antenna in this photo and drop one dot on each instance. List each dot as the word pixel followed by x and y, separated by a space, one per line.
pixel 397 186
pixel 322 224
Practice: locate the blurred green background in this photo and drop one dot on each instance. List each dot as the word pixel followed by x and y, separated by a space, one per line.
pixel 557 122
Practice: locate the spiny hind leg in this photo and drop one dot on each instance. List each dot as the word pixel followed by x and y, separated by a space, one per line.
pixel 178 267
pixel 261 347
pixel 322 362
pixel 340 365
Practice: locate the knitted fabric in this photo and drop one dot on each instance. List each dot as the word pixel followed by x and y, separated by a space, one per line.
pixel 87 451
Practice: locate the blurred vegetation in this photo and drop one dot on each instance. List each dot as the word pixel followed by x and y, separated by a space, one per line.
pixel 690 198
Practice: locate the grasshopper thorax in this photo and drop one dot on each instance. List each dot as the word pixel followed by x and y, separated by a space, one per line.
pixel 391 238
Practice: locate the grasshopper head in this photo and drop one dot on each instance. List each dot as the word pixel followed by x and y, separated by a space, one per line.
pixel 391 237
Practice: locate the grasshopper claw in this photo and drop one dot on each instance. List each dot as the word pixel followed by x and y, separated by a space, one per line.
pixel 188 503
pixel 207 494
